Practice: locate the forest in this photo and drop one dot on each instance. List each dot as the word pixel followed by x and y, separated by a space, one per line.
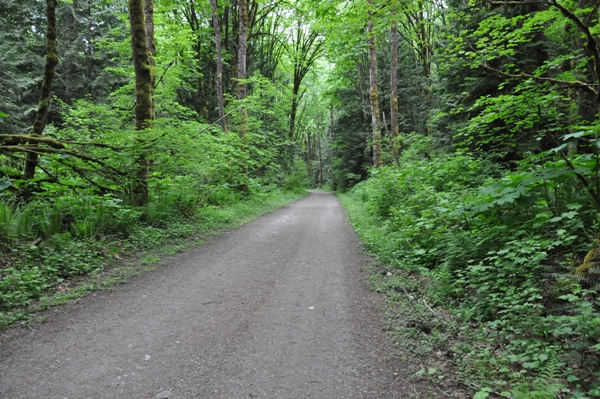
pixel 462 136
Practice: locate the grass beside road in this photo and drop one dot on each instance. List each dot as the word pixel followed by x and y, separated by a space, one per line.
pixel 45 273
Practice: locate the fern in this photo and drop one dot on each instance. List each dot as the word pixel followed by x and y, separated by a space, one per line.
pixel 443 274
pixel 545 384
pixel 590 280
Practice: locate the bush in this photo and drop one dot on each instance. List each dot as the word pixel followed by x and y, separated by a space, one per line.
pixel 492 241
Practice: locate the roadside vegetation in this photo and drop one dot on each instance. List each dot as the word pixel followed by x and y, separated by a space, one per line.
pixel 47 265
pixel 485 270
pixel 121 138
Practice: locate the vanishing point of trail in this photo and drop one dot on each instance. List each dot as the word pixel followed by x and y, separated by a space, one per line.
pixel 277 309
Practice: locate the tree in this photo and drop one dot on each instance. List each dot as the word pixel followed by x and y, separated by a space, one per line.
pixel 373 92
pixel 220 101
pixel 20 63
pixel 144 109
pixel 86 62
pixel 197 17
pixel 242 48
pixel 150 42
pixel 394 82
pixel 270 45
pixel 44 103
pixel 307 46
pixel 242 88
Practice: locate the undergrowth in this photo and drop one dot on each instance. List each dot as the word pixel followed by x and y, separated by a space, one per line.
pixel 479 264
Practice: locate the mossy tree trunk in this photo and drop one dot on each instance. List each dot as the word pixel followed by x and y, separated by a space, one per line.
pixel 150 42
pixel 144 110
pixel 373 92
pixel 44 103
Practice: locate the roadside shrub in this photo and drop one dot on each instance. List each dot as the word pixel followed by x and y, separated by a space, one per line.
pixel 493 241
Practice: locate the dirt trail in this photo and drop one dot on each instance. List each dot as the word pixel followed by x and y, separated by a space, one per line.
pixel 277 309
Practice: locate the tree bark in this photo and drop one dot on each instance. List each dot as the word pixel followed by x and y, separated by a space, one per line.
pixel 394 84
pixel 373 93
pixel 41 116
pixel 149 23
pixel 217 27
pixel 361 91
pixel 144 111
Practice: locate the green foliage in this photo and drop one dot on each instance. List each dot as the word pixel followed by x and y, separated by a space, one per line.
pixel 33 266
pixel 75 216
pixel 296 180
pixel 20 63
pixel 491 241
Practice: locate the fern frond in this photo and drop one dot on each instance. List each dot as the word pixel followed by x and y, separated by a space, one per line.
pixel 590 280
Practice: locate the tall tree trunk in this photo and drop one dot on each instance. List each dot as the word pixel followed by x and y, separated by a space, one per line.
pixel 242 47
pixel 298 60
pixel 217 27
pixel 373 94
pixel 71 24
pixel 361 91
pixel 149 22
pixel 394 84
pixel 587 102
pixel 320 154
pixel 144 111
pixel 293 114
pixel 308 157
pixel 150 42
pixel 331 124
pixel 41 116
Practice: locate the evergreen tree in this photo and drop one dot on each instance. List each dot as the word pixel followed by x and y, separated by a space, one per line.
pixel 21 63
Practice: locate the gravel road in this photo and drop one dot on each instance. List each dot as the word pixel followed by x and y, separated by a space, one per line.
pixel 277 309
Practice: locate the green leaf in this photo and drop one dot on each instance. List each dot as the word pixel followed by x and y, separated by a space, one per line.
pixel 484 393
pixel 3 115
pixel 4 184
pixel 576 135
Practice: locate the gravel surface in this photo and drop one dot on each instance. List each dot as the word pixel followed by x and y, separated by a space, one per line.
pixel 277 309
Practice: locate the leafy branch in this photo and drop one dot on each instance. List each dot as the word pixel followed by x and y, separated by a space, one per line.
pixel 522 75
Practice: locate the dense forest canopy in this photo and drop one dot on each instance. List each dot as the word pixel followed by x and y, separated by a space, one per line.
pixel 469 129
